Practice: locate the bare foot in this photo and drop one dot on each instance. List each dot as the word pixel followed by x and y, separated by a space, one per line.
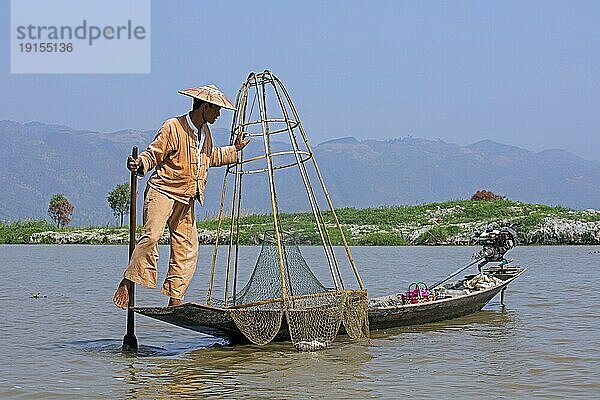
pixel 175 302
pixel 121 297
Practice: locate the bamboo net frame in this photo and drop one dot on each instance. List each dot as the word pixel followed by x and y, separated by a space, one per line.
pixel 287 125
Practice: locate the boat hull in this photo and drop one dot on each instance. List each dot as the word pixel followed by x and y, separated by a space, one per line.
pixel 384 312
pixel 434 311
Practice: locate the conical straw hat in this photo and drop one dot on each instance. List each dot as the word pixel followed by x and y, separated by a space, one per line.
pixel 210 94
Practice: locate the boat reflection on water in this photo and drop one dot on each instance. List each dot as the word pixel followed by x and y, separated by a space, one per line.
pixel 493 322
pixel 272 371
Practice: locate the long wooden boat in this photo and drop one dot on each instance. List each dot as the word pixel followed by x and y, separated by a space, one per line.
pixel 384 312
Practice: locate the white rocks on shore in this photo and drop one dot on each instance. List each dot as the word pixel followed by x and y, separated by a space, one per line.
pixel 561 231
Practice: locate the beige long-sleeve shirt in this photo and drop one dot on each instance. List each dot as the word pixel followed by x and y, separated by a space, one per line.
pixel 181 165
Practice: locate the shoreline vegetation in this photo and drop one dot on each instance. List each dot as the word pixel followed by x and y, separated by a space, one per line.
pixel 446 223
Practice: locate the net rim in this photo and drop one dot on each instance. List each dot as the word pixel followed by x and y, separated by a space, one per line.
pixel 300 297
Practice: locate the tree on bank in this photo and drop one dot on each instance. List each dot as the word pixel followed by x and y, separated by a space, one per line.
pixel 119 201
pixel 60 209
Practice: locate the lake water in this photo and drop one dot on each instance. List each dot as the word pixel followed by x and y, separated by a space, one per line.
pixel 544 344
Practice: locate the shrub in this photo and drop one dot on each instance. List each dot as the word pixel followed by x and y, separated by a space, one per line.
pixel 486 196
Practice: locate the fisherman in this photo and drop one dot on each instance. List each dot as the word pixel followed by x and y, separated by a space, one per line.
pixel 181 154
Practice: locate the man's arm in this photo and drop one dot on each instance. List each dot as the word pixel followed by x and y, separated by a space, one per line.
pixel 223 156
pixel 228 154
pixel 156 152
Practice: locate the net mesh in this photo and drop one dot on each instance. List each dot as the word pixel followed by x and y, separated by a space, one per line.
pixel 315 321
pixel 259 323
pixel 265 281
pixel 356 316
pixel 313 312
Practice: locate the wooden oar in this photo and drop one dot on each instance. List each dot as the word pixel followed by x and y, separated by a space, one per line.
pixel 129 340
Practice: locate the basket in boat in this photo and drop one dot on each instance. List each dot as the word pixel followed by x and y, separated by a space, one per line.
pixel 417 292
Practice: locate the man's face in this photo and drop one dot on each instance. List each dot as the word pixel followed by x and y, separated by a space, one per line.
pixel 211 113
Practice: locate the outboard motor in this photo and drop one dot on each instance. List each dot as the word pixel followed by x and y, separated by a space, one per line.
pixel 496 242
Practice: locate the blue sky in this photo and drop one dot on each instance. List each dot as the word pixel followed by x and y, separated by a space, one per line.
pixel 525 73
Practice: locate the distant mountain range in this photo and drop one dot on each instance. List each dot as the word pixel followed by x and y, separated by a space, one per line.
pixel 40 159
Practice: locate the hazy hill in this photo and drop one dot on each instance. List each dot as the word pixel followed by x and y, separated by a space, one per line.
pixel 39 160
pixel 411 170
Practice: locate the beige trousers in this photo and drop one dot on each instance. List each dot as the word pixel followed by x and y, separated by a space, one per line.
pixel 158 211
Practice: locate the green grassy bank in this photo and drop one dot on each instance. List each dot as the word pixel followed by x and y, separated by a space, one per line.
pixel 451 222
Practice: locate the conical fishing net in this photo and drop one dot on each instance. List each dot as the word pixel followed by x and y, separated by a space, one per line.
pixel 281 282
pixel 314 313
